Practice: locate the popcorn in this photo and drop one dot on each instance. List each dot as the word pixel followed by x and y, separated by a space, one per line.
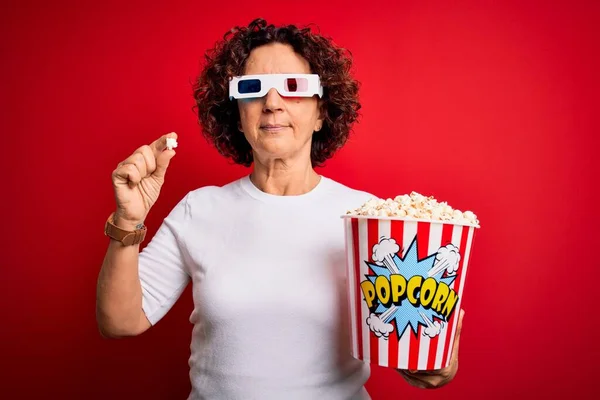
pixel 415 206
pixel 171 143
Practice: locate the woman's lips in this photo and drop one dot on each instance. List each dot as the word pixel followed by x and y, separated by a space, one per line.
pixel 273 128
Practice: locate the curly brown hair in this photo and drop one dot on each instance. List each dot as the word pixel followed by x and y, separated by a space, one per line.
pixel 218 116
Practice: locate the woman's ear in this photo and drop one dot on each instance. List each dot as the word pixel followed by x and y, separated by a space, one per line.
pixel 322 115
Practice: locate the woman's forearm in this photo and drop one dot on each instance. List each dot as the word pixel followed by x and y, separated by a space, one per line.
pixel 119 294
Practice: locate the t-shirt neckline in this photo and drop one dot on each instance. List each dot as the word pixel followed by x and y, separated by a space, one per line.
pixel 258 194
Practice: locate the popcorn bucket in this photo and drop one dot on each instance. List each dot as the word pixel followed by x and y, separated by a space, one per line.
pixel 405 282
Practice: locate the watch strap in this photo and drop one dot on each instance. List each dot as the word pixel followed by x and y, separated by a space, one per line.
pixel 127 238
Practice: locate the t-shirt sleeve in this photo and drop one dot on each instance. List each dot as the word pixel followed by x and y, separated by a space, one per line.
pixel 162 270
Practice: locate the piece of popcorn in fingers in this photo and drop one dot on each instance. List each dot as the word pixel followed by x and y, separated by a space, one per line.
pixel 171 143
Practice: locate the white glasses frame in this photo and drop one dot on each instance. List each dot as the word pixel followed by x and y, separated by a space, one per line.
pixel 277 81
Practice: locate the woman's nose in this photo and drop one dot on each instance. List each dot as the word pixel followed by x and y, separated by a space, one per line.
pixel 273 101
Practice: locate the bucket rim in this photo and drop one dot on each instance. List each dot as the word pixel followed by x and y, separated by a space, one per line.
pixel 409 219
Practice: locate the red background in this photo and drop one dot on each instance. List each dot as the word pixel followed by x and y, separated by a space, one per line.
pixel 490 107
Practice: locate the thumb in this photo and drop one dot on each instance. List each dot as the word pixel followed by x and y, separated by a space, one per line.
pixel 162 162
pixel 460 322
pixel 457 335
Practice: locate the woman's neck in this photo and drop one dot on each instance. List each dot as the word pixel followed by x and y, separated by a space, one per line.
pixel 284 178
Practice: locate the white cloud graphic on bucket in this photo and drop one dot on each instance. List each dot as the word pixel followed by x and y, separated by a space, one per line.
pixel 433 328
pixel 447 258
pixel 379 327
pixel 383 254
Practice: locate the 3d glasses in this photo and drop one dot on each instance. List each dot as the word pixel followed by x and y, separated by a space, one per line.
pixel 288 85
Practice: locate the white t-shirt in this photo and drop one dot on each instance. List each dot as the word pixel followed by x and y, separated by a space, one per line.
pixel 268 272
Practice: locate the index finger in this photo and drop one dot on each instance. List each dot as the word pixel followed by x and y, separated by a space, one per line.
pixel 160 144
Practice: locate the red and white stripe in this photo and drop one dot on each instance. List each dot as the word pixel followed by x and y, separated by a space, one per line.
pixel 414 352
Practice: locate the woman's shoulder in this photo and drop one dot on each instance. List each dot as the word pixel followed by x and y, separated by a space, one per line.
pixel 206 201
pixel 342 188
pixel 353 196
pixel 222 192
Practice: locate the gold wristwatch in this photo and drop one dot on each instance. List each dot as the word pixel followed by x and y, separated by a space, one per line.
pixel 127 238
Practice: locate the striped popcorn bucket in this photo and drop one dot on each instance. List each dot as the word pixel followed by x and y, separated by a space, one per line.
pixel 405 282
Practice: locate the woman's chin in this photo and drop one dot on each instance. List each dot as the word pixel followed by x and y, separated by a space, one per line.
pixel 274 143
pixel 275 150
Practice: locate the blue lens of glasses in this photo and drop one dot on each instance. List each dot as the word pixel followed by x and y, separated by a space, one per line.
pixel 249 86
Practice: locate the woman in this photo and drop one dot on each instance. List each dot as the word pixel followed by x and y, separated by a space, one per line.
pixel 265 254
